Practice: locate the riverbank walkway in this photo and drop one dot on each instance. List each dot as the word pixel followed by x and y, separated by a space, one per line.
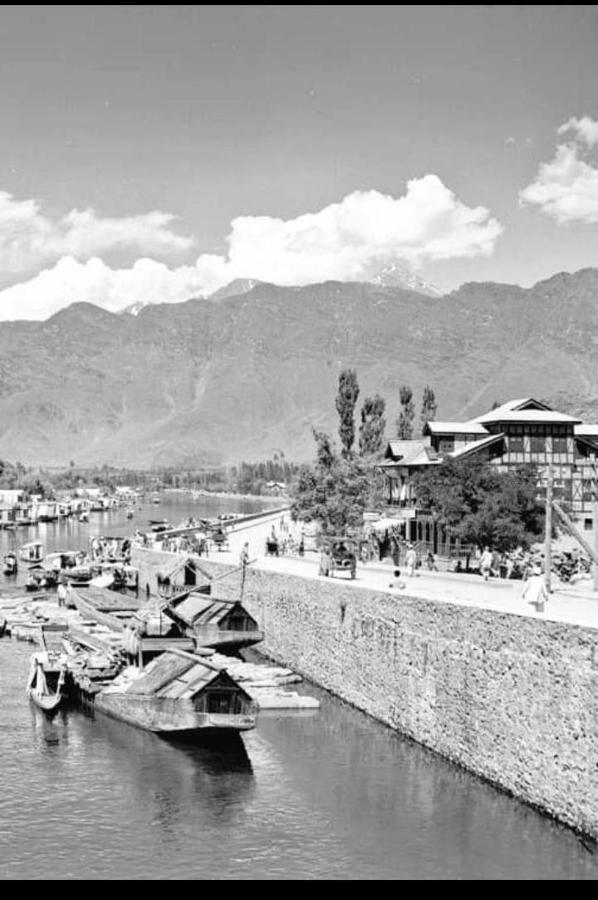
pixel 576 605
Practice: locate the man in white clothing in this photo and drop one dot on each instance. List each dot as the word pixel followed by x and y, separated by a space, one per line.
pixel 535 589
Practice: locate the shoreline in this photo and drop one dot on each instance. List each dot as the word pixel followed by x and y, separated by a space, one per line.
pixel 226 494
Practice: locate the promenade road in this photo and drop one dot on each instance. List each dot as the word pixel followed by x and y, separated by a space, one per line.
pixel 577 605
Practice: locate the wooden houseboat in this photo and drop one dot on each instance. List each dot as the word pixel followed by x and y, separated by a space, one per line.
pixel 179 695
pixel 224 625
pixel 32 552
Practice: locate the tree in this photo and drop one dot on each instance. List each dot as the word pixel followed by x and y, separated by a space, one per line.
pixel 407 414
pixel 335 491
pixel 373 423
pixel 429 407
pixel 324 452
pixel 346 399
pixel 480 504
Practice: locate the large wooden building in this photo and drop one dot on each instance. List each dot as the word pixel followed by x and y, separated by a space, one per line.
pixel 518 432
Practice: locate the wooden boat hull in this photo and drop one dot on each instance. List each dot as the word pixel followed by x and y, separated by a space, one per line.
pixel 171 718
pixel 46 702
pixel 45 686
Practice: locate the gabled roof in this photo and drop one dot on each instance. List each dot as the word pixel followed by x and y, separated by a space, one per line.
pixel 475 446
pixel 456 428
pixel 410 453
pixel 178 676
pixel 201 609
pixel 526 409
pixel 179 564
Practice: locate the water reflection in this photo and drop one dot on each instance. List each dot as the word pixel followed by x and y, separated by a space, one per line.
pixel 173 776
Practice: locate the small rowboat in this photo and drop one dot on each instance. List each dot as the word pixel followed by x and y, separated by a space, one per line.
pixel 46 682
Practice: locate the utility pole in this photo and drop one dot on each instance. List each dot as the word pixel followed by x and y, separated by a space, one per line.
pixel 548 532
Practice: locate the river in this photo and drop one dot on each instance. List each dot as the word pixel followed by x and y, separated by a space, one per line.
pixel 324 795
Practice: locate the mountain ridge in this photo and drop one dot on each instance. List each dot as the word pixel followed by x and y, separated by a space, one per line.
pixel 220 380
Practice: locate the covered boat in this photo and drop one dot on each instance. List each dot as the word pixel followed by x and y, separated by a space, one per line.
pixel 179 695
pixel 32 552
pixel 104 606
pixel 222 624
pixel 10 564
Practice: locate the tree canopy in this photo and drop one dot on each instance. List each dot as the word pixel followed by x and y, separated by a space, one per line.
pixel 407 414
pixel 482 505
pixel 346 400
pixel 373 423
pixel 429 407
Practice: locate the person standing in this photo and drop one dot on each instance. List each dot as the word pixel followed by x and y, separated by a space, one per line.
pixel 61 594
pixel 535 589
pixel 411 560
pixel 486 563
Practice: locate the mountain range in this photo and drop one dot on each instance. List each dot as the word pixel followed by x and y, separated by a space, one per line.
pixel 250 371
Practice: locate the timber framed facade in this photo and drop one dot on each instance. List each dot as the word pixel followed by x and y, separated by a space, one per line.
pixel 524 431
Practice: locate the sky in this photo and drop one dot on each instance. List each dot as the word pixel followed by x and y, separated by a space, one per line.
pixel 152 153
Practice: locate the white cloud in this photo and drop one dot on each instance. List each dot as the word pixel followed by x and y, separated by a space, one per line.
pixel 345 241
pixel 29 239
pixel 566 188
pixel 584 129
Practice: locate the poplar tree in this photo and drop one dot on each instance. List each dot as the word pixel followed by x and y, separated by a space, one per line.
pixel 429 407
pixel 346 400
pixel 407 414
pixel 373 423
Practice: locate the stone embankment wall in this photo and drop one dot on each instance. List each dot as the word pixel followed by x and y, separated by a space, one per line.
pixel 511 698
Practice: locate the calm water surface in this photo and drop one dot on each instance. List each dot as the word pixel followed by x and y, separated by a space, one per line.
pixel 330 794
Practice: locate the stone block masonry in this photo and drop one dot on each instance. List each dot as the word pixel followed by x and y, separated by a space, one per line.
pixel 511 698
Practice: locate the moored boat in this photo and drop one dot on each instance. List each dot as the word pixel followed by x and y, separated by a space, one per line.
pixel 179 694
pixel 10 564
pixel 108 608
pixel 224 625
pixel 46 683
pixel 33 552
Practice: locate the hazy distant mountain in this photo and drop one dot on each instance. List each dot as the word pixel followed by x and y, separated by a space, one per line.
pixel 207 380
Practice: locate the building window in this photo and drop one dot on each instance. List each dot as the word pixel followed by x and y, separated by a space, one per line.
pixel 559 445
pixel 516 443
pixel 446 445
pixel 537 444
pixel 588 524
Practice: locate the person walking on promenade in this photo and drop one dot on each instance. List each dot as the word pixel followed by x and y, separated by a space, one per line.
pixel 535 589
pixel 486 563
pixel 411 560
pixel 325 560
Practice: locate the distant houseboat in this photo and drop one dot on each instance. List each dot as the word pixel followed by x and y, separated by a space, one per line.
pixel 32 552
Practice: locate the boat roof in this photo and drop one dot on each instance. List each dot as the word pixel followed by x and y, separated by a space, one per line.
pixel 179 676
pixel 202 609
pixel 32 544
pixel 105 600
